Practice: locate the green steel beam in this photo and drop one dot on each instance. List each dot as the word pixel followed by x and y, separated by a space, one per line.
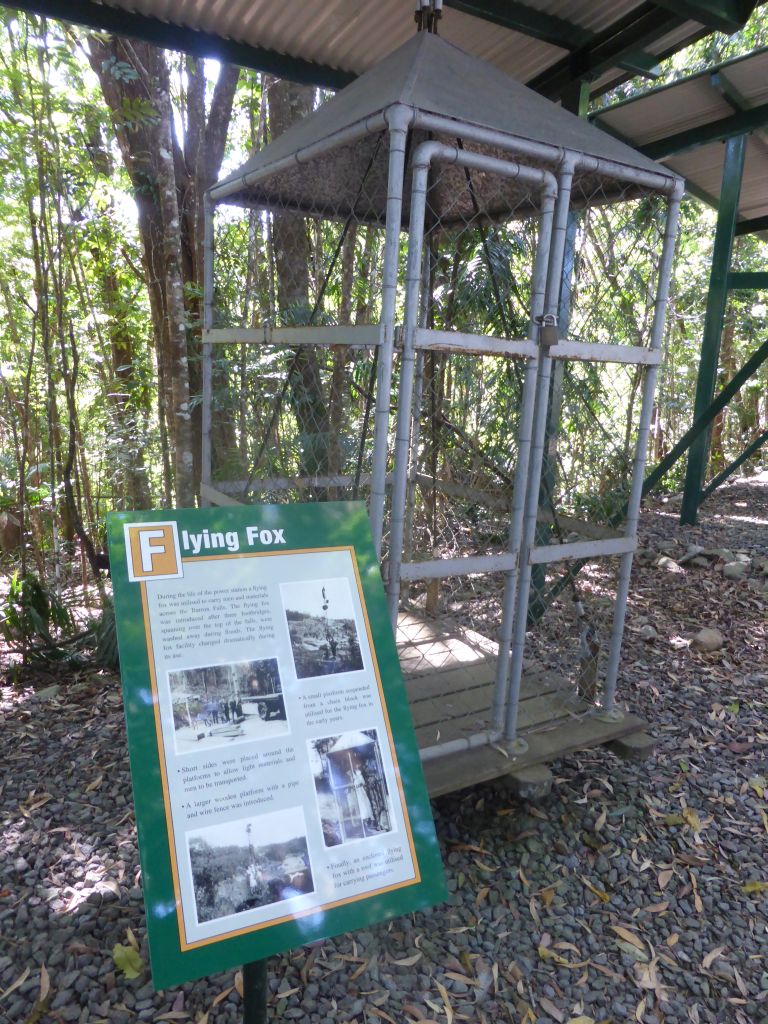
pixel 717 297
pixel 721 15
pixel 645 65
pixel 667 52
pixel 752 280
pixel 701 424
pixel 633 32
pixel 740 123
pixel 524 19
pixel 748 452
pixel 175 37
pixel 749 227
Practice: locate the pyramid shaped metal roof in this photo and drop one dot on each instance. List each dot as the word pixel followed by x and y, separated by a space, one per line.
pixel 428 75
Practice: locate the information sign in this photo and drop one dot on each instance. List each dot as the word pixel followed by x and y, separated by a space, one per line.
pixel 278 787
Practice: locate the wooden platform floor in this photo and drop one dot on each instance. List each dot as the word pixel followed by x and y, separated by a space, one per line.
pixel 449 676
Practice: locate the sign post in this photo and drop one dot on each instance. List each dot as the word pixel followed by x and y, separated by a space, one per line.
pixel 278 786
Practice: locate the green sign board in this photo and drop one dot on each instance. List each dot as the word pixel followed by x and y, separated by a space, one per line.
pixel 278 787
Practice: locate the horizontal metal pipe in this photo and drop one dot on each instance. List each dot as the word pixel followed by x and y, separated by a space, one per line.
pixel 478 739
pixel 479 344
pixel 552 154
pixel 596 352
pixel 581 549
pixel 367 126
pixel 438 568
pixel 545 181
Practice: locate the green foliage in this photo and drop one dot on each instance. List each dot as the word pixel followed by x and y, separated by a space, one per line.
pixel 31 613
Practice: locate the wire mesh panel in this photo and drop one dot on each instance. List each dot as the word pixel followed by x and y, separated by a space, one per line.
pixel 613 264
pixel 476 284
pixel 590 454
pixel 293 401
pixel 293 424
pixel 570 619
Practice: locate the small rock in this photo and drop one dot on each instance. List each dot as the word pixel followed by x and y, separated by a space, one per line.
pixel 49 693
pixel 735 570
pixel 708 640
pixel 693 551
pixel 699 562
pixel 647 632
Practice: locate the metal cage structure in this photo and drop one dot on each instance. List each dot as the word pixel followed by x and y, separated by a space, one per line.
pixel 490 395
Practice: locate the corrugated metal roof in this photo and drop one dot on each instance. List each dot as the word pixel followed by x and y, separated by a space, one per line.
pixel 696 102
pixel 352 36
pixel 430 75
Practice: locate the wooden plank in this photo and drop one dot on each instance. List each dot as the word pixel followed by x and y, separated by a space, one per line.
pixel 483 675
pixel 448 774
pixel 533 712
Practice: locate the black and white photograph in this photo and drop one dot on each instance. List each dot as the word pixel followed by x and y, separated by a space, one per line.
pixel 321 623
pixel 352 794
pixel 217 705
pixel 250 863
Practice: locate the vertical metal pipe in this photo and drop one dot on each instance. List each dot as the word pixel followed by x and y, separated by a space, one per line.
pixel 557 247
pixel 635 495
pixel 514 533
pixel 398 119
pixel 407 371
pixel 207 353
pixel 417 399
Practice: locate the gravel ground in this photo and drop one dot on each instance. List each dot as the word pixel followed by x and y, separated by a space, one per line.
pixel 634 893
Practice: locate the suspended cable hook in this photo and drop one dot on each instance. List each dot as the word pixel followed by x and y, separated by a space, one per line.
pixel 428 13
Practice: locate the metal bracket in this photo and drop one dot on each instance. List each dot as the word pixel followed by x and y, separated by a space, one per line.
pixel 516 747
pixel 610 715
pixel 548 332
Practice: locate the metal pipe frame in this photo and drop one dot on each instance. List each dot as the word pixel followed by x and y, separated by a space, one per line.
pixel 641 448
pixel 398 119
pixel 510 597
pixel 536 458
pixel 422 159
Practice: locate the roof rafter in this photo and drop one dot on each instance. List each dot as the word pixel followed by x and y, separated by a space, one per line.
pixel 548 28
pixel 740 123
pixel 724 15
pixel 636 30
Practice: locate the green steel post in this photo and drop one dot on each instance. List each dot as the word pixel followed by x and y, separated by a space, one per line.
pixel 255 992
pixel 698 455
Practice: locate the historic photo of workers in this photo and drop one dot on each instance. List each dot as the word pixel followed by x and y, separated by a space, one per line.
pixel 321 624
pixel 352 795
pixel 251 863
pixel 217 705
